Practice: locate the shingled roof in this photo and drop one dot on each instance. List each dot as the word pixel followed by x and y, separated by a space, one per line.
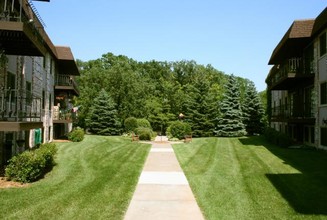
pixel 64 53
pixel 301 28
pixel 66 61
pixel 298 37
pixel 294 39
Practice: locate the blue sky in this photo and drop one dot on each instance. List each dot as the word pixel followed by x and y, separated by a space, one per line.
pixel 234 36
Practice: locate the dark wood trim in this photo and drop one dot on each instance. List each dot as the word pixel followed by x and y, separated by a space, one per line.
pixel 62 121
pixel 19 126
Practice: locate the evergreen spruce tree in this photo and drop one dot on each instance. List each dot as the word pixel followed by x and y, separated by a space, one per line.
pixel 253 111
pixel 103 117
pixel 230 123
pixel 200 109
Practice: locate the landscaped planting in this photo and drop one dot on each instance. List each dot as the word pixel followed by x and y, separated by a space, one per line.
pixel 31 165
pixel 178 129
pixel 93 179
pixel 248 178
pixel 76 135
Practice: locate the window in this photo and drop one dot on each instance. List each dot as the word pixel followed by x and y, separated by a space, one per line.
pixel 51 66
pixel 309 102
pixel 43 99
pixel 322 43
pixel 309 60
pixel 312 134
pixel 306 134
pixel 309 134
pixel 28 93
pixel 50 102
pixel 11 86
pixel 323 136
pixel 291 104
pixel 323 93
pixel 280 107
pixel 44 62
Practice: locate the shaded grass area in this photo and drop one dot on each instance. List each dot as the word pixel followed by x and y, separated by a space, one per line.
pixel 248 178
pixel 93 179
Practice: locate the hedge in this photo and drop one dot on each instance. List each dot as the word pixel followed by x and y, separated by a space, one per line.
pixel 130 124
pixel 278 138
pixel 145 134
pixel 178 129
pixel 31 165
pixel 76 135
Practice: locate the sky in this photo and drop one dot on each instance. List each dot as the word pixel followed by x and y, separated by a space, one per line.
pixel 234 36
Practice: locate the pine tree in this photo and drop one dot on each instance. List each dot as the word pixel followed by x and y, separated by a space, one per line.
pixel 230 123
pixel 253 111
pixel 200 108
pixel 103 117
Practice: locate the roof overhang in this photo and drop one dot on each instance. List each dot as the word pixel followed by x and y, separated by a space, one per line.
pixel 19 126
pixel 18 38
pixel 66 61
pixel 293 42
pixel 320 23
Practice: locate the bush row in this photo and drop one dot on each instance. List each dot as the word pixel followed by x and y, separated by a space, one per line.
pixel 277 137
pixel 139 126
pixel 31 165
pixel 143 129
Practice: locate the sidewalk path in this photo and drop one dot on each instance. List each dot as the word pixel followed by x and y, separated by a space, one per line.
pixel 163 192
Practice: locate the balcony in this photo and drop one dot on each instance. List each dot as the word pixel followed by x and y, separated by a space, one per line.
pixel 22 29
pixel 19 110
pixel 62 116
pixel 289 75
pixel 302 113
pixel 66 83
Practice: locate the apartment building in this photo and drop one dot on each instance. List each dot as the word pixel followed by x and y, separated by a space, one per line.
pixel 297 82
pixel 37 81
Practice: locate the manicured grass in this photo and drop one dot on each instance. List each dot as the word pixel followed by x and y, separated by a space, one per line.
pixel 248 178
pixel 93 179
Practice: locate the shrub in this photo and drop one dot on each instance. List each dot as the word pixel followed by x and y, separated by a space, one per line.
pixel 143 123
pixel 31 165
pixel 144 134
pixel 76 135
pixel 47 151
pixel 178 129
pixel 130 124
pixel 277 137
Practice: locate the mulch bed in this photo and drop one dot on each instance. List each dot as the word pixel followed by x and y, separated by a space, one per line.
pixel 4 183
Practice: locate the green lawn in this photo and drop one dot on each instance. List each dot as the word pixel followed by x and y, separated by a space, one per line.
pixel 249 179
pixel 94 179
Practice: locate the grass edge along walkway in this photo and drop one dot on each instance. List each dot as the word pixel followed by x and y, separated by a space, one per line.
pixel 247 178
pixel 93 179
pixel 162 191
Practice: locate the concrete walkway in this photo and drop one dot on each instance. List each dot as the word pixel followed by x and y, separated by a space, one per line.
pixel 163 192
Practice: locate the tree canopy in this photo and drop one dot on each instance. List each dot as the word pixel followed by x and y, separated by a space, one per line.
pixel 157 91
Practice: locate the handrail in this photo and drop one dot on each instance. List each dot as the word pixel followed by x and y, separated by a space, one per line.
pixel 288 111
pixel 19 105
pixel 291 67
pixel 66 80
